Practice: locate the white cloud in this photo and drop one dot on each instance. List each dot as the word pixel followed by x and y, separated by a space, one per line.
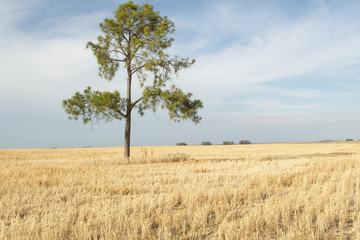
pixel 41 68
pixel 274 49
pixel 317 42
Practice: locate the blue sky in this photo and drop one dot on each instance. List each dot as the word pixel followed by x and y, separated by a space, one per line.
pixel 267 71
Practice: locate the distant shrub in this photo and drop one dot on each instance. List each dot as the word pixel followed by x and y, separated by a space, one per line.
pixel 349 140
pixel 206 143
pixel 181 144
pixel 228 143
pixel 245 142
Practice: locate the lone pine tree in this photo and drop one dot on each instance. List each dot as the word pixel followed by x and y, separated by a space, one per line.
pixel 136 39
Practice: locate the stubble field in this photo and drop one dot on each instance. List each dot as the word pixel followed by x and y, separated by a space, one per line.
pixel 264 191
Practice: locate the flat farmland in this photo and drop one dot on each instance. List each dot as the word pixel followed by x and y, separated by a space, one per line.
pixel 259 191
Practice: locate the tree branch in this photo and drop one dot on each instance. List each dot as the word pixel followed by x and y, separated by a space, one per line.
pixel 136 102
pixel 119 112
pixel 137 68
pixel 118 60
pixel 119 42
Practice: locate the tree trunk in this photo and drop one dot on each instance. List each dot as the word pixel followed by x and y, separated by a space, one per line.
pixel 127 136
pixel 128 116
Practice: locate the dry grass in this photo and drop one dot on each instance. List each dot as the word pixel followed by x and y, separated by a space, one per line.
pixel 272 191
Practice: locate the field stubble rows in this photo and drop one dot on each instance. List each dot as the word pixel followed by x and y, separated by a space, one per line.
pixel 270 191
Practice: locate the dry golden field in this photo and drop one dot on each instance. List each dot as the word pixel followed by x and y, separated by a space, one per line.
pixel 264 191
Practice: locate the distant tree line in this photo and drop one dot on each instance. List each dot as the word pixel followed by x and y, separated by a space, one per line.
pixel 241 142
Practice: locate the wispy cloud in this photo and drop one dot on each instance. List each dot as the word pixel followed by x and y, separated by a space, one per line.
pixel 316 42
pixel 41 67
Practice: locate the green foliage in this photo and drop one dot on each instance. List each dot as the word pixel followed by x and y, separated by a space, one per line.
pixel 245 142
pixel 228 142
pixel 178 104
pixel 137 38
pixel 95 106
pixel 206 143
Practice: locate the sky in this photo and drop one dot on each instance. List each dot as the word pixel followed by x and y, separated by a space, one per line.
pixel 266 71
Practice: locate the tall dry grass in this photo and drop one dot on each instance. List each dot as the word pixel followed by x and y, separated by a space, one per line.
pixel 270 191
